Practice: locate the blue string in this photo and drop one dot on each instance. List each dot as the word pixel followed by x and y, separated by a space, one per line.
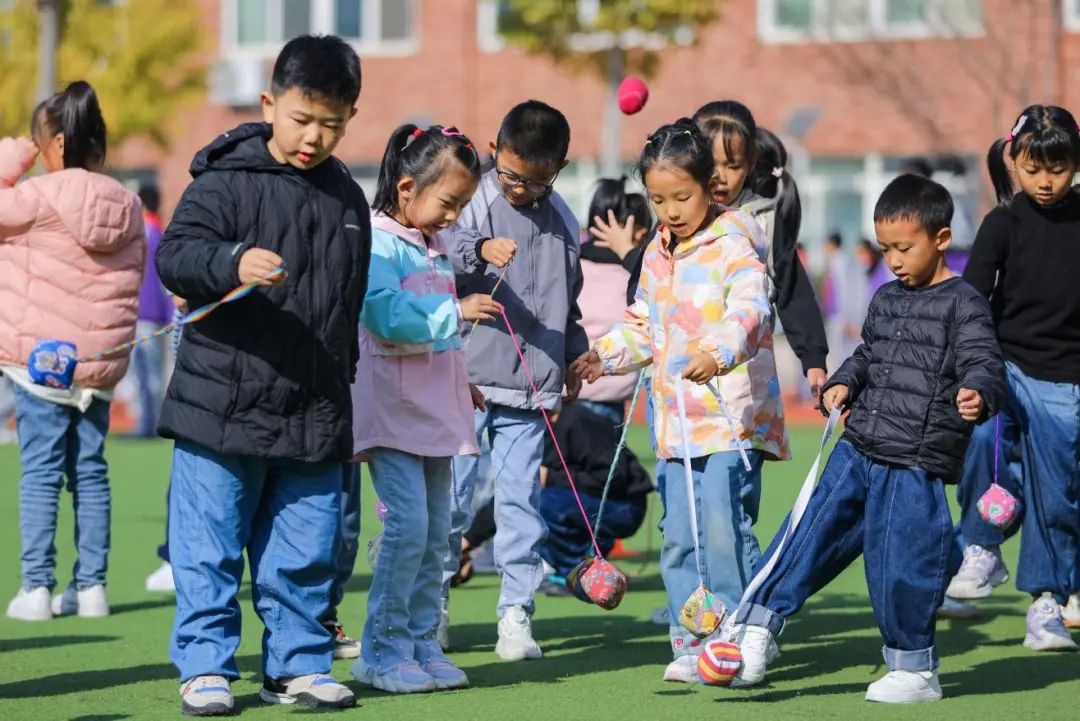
pixel 619 448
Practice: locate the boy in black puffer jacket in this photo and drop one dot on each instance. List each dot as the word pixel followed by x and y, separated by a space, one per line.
pixel 928 369
pixel 259 403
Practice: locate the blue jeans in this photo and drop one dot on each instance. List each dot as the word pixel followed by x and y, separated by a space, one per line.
pixel 403 604
pixel 350 535
pixel 287 514
pixel 568 541
pixel 727 508
pixel 1048 415
pixel 517 447
pixel 898 518
pixel 56 443
pixel 978 475
pixel 148 366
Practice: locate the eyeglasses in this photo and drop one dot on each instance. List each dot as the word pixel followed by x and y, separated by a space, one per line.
pixel 513 180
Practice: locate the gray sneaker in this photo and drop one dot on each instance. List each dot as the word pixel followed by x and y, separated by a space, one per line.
pixel 1046 628
pixel 980 572
pixel 956 610
pixel 315 690
pixel 206 696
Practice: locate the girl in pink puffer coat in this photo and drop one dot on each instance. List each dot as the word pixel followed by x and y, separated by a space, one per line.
pixel 72 249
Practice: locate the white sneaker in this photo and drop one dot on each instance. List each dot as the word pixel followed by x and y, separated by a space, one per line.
pixel 30 605
pixel 758 648
pixel 1046 628
pixel 87 603
pixel 515 636
pixel 956 610
pixel 683 670
pixel 1070 612
pixel 316 690
pixel 206 696
pixel 161 580
pixel 905 687
pixel 442 633
pixel 982 570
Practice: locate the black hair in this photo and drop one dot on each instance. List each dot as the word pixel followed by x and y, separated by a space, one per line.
pixel 324 66
pixel 835 240
pixel 150 197
pixel 915 197
pixel 681 144
pixel 76 114
pixel 731 120
pixel 536 132
pixel 420 154
pixel 770 175
pixel 1046 133
pixel 874 252
pixel 611 195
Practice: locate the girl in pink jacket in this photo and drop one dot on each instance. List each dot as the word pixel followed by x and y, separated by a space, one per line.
pixel 72 248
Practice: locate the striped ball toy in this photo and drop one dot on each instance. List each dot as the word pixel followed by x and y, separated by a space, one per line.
pixel 719 662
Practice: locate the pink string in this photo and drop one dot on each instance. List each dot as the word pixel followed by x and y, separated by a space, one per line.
pixel 547 421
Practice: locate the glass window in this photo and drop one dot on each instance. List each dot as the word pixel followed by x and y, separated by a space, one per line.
pixel 796 14
pixel 295 18
pixel 251 21
pixel 348 18
pixel 397 19
pixel 905 12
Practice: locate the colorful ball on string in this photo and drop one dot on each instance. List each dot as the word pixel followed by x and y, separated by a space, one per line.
pixel 52 363
pixel 997 506
pixel 598 581
pixel 702 613
pixel 633 93
pixel 719 662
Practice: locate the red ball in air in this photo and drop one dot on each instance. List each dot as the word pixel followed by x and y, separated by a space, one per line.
pixel 633 94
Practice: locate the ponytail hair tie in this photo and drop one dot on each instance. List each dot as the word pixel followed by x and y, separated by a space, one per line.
pixel 778 171
pixel 1016 129
pixel 412 136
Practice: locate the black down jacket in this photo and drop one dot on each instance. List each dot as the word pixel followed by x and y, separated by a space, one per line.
pixel 267 375
pixel 920 347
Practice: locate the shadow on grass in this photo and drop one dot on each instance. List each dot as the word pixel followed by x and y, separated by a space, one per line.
pixel 165 601
pixel 24 644
pixel 101 717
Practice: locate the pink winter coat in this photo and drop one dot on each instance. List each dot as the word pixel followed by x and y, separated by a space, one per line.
pixel 72 250
pixel 603 306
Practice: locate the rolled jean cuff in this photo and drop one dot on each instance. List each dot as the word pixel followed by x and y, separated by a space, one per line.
pixel 925 659
pixel 752 614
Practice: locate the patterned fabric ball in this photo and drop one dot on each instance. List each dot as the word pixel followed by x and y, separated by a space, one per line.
pixel 52 363
pixel 597 581
pixel 997 506
pixel 719 662
pixel 702 613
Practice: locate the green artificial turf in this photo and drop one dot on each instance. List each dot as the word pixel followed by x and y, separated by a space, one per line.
pixel 598 665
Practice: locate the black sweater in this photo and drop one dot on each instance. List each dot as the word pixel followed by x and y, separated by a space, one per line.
pixel 1026 258
pixel 920 347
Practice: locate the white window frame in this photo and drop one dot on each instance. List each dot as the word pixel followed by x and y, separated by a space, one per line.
pixel 322 21
pixel 877 27
pixel 489 40
pixel 1071 9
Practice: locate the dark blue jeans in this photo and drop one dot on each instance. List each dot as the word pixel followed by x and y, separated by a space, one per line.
pixel 898 518
pixel 568 541
pixel 979 474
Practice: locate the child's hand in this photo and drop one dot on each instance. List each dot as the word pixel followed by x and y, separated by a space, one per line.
pixel 479 307
pixel 573 385
pixel 702 368
pixel 588 367
pixel 609 234
pixel 478 400
pixel 970 405
pixel 29 148
pixel 835 397
pixel 257 264
pixel 180 303
pixel 816 377
pixel 498 251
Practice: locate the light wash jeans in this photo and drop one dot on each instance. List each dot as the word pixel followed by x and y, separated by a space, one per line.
pixel 517 447
pixel 403 604
pixel 58 442
pixel 727 508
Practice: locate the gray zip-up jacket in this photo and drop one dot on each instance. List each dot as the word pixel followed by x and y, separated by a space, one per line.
pixel 539 291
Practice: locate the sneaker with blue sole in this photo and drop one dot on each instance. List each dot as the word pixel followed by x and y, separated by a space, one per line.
pixel 442 670
pixel 406 677
pixel 206 696
pixel 317 691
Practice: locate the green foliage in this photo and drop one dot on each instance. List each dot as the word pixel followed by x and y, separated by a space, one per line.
pixel 143 58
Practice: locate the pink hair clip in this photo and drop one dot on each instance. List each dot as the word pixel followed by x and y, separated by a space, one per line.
pixel 1016 129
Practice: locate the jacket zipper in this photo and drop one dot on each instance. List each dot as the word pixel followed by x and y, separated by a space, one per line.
pixel 309 420
pixel 661 407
